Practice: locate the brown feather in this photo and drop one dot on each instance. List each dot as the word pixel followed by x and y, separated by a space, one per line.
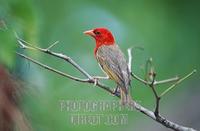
pixel 113 62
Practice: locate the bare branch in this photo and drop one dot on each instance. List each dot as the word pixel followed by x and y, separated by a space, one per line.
pixel 91 80
pixel 137 106
pixel 52 69
pixel 166 81
pixel 140 79
pixel 129 50
pixel 25 45
pixel 178 82
pixel 162 120
pixel 55 43
pixel 66 75
pixel 152 85
pixel 151 76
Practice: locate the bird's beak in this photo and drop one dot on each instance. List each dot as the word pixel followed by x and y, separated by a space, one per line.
pixel 89 32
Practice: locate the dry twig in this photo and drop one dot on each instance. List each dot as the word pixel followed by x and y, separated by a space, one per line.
pixel 89 79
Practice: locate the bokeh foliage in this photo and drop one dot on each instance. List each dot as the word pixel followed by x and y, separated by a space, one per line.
pixel 168 30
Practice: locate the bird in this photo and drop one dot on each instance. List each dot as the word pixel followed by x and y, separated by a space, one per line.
pixel 112 61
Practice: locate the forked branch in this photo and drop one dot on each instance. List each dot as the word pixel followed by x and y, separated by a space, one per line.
pixel 89 79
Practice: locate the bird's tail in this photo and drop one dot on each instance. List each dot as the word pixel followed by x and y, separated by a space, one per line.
pixel 126 98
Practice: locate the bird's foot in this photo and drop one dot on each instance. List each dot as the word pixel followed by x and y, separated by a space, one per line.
pixel 116 92
pixel 95 79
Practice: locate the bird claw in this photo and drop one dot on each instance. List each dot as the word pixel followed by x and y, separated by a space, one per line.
pixel 95 81
pixel 116 92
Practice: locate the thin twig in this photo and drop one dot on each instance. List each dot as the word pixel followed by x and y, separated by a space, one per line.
pixel 166 81
pixel 129 59
pixel 152 85
pixel 140 79
pixel 151 75
pixel 156 82
pixel 179 81
pixel 58 55
pixel 55 43
pixel 52 69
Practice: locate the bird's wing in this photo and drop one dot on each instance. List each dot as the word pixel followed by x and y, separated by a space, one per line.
pixel 114 64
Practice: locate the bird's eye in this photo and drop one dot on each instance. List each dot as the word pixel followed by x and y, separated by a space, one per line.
pixel 97 32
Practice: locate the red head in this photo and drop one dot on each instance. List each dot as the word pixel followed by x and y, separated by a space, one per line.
pixel 102 36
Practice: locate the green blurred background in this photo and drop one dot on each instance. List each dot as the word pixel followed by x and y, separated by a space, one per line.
pixel 168 30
